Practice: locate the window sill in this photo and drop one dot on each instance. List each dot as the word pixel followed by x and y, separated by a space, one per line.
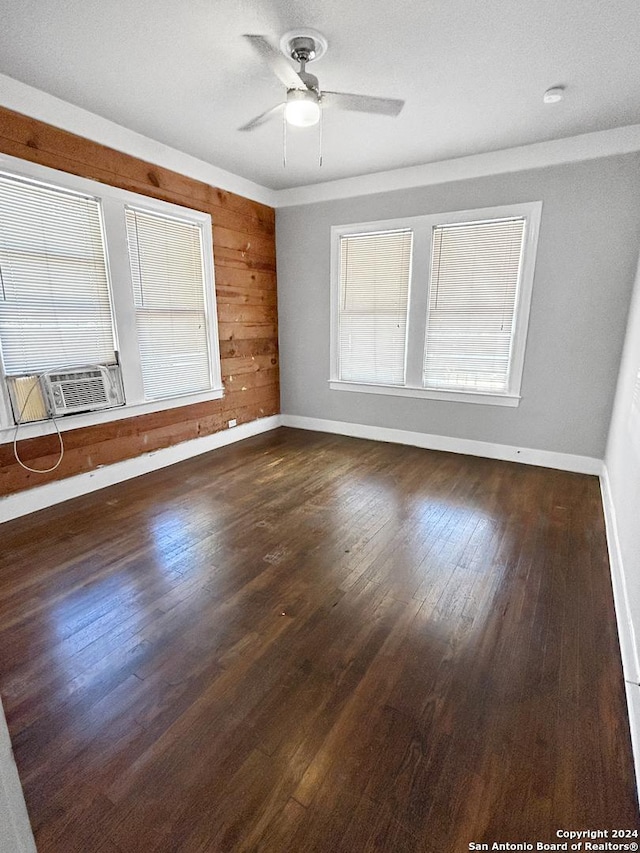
pixel 481 397
pixel 86 419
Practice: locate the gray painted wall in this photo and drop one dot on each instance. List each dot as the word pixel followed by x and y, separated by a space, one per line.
pixel 587 255
pixel 623 461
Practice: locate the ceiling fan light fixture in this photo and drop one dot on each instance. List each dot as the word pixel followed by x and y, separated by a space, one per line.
pixel 302 108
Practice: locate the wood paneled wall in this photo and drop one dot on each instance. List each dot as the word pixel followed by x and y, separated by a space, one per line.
pixel 244 258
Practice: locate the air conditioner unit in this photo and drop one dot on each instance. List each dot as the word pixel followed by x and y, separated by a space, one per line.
pixel 83 389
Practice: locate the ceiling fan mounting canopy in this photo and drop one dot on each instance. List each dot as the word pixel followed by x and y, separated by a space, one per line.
pixel 303 45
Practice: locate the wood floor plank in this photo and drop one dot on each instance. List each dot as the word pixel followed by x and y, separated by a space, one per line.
pixel 307 642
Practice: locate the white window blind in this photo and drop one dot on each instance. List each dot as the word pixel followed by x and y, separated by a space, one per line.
pixel 55 304
pixel 168 285
pixel 374 289
pixel 475 271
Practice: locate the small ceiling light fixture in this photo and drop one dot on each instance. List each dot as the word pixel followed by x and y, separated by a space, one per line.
pixel 302 108
pixel 553 95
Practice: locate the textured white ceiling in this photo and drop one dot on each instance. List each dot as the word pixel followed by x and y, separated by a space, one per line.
pixel 472 73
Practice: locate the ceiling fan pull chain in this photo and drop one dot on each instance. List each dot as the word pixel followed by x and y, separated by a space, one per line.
pixel 320 138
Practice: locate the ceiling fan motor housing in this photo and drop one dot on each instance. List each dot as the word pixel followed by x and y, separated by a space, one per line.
pixel 303 49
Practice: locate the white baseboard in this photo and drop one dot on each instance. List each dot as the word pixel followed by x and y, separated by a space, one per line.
pixel 626 634
pixel 633 705
pixel 31 500
pixel 468 446
pixel 15 830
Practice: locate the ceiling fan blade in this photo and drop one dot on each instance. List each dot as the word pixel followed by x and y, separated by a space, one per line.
pixel 285 72
pixel 262 118
pixel 362 103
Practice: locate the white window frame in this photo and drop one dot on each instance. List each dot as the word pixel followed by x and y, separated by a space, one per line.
pixel 113 202
pixel 422 227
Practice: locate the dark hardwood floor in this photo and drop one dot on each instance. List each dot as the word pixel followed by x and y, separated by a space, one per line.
pixel 310 643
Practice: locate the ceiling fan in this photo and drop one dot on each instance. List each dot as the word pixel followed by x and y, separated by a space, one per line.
pixel 305 101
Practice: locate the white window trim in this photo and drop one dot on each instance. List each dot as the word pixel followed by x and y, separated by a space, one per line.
pixel 427 393
pixel 113 201
pixel 422 227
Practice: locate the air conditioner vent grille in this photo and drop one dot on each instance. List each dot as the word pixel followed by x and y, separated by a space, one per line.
pixel 85 392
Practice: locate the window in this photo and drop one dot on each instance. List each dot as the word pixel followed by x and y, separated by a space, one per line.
pixel 55 306
pixel 168 286
pixel 434 306
pixel 475 268
pixel 94 275
pixel 374 296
